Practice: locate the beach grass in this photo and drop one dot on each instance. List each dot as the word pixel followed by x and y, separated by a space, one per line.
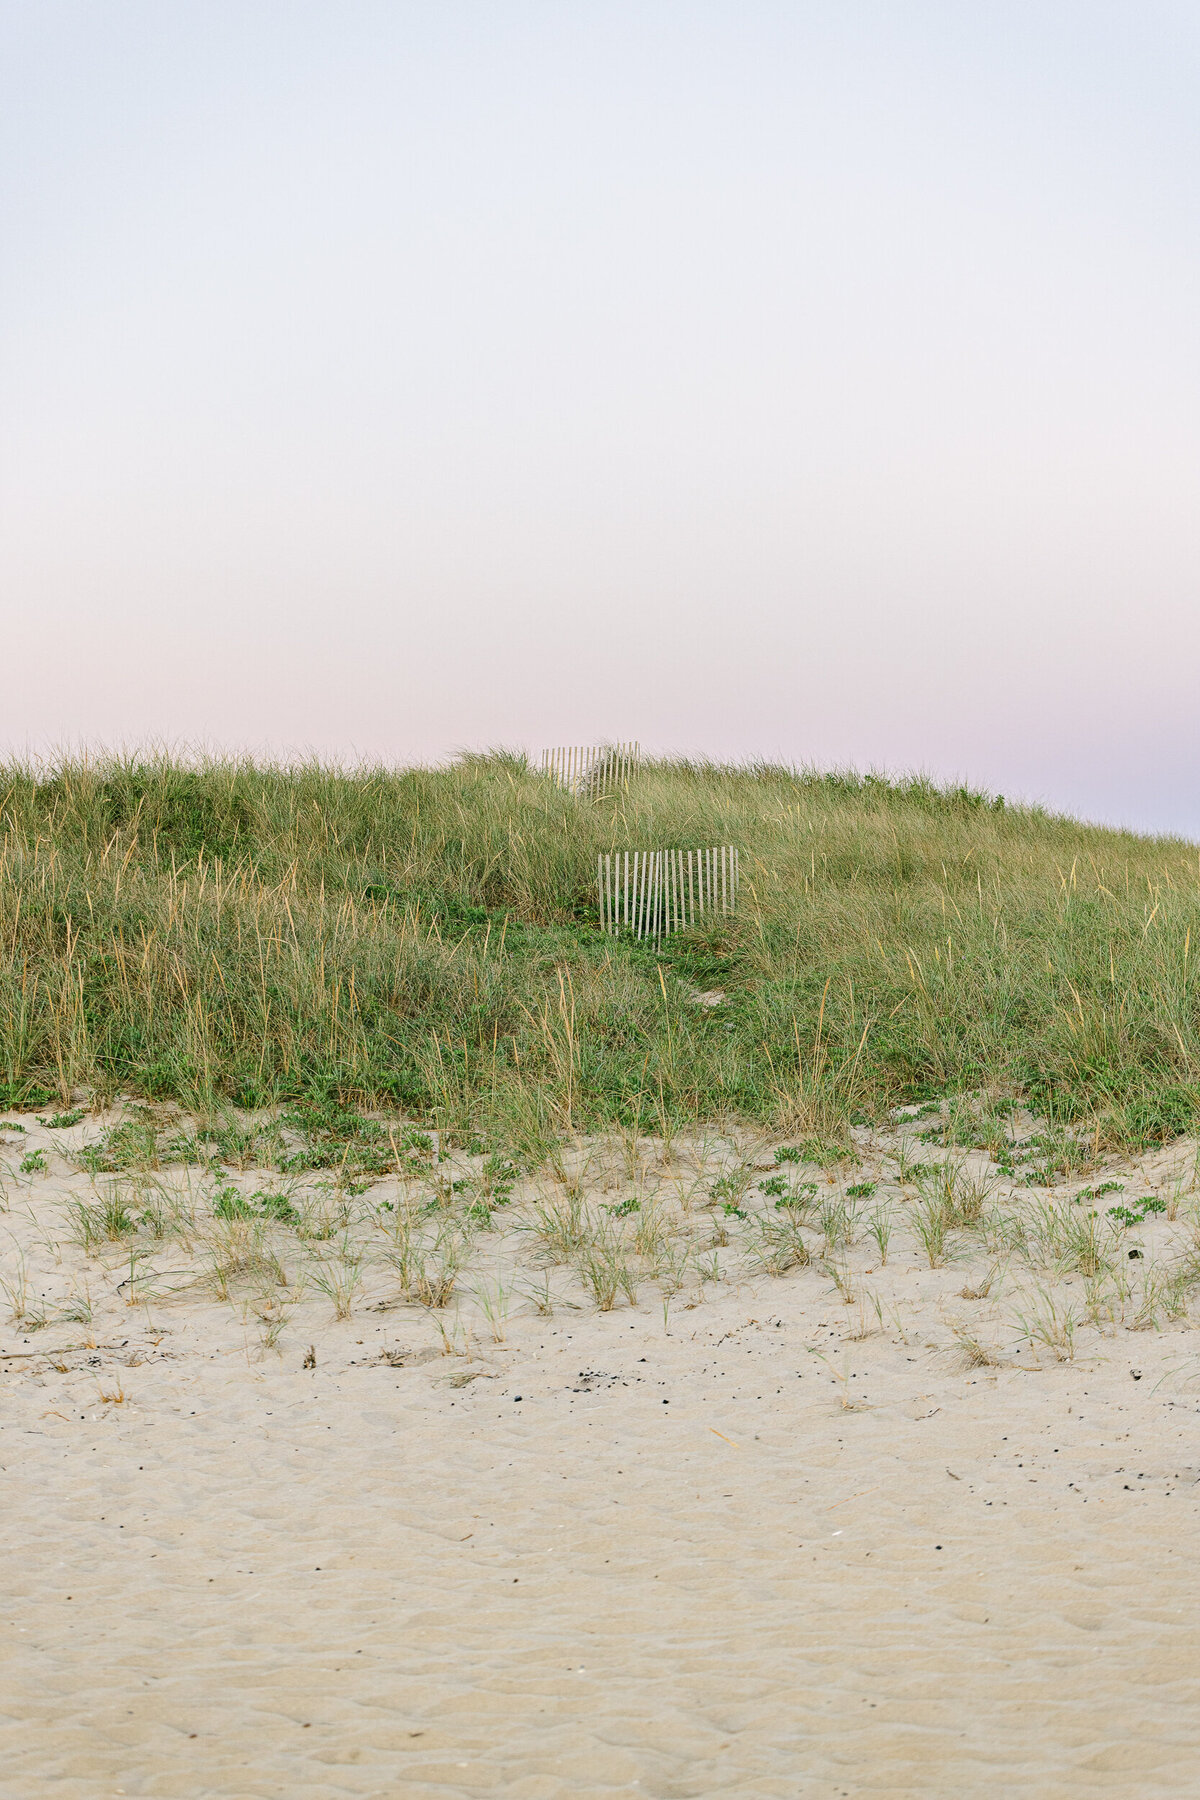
pixel 423 945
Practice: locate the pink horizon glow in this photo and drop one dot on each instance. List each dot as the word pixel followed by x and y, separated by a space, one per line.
pixel 810 382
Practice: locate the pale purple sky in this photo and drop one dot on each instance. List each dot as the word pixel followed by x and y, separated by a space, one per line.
pixel 813 381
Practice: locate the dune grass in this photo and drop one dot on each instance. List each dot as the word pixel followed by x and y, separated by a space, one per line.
pixel 423 944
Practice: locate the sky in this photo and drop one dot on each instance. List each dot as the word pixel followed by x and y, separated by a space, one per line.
pixel 812 381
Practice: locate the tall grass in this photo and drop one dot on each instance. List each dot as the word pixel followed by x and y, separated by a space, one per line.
pixel 425 942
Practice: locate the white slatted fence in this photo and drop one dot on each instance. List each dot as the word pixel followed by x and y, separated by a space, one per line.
pixel 650 893
pixel 588 771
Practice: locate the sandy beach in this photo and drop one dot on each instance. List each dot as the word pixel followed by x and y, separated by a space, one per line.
pixel 736 1545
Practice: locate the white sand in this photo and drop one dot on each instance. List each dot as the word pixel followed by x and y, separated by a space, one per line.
pixel 743 1553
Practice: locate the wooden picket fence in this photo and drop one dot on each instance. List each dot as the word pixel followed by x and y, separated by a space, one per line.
pixel 588 771
pixel 650 893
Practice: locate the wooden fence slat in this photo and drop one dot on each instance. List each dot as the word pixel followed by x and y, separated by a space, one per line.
pixel 652 893
pixel 591 771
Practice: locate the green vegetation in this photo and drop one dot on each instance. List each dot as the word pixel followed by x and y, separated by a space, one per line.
pixel 423 945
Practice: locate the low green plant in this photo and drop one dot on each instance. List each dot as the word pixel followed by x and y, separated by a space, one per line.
pixel 1180 1284
pixel 777 1184
pixel 327 1134
pixel 561 1226
pixel 497 1177
pixel 16 1290
pixel 654 1235
pixel 1097 1193
pixel 962 1196
pixel 1136 1214
pixel 133 1143
pixel 828 1152
pixel 777 1246
pixel 102 1221
pixel 972 1124
pixel 339 1278
pixel 843 1281
pixel 789 1196
pixel 1086 1244
pixel 1051 1322
pixel 731 1188
pixel 838 1223
pixel 540 1298
pixel 931 1227
pixel 1150 1300
pixel 879 1227
pixel 606 1272
pixel 870 1320
pixel 799 1199
pixel 495 1302
pixel 230 1203
pixel 978 1353
pixel 319 1222
pixel 1104 1302
pixel 237 1257
pixel 433 1273
pixel 1055 1153
pixel 277 1204
pixel 157 1215
pixel 909 1171
pixel 981 1286
pixel 272 1321
pixel 1004 1233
